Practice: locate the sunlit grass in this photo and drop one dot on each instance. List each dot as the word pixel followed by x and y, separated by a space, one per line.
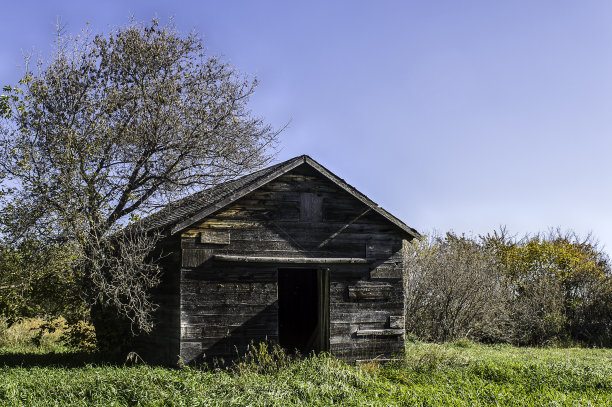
pixel 458 374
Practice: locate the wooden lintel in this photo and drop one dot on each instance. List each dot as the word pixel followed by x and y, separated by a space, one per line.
pixel 379 332
pixel 292 260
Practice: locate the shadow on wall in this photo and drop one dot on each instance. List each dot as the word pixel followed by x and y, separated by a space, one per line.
pixel 237 336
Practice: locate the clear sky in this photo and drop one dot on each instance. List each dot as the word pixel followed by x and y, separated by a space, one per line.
pixel 452 115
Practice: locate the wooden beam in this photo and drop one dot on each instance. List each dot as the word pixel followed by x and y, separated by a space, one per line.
pixel 292 260
pixel 379 332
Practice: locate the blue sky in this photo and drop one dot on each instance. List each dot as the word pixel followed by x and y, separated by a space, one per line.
pixel 451 115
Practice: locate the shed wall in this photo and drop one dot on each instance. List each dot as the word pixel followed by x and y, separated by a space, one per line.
pixel 225 305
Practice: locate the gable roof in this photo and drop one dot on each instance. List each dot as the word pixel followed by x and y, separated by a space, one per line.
pixel 189 210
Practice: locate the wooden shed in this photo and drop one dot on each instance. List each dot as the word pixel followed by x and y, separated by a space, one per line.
pixel 290 254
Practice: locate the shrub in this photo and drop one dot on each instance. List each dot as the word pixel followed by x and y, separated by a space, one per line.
pixel 80 335
pixel 560 287
pixel 3 330
pixel 33 334
pixel 453 290
pixel 538 290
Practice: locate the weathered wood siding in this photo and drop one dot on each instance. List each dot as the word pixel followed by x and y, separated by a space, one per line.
pixel 224 305
pixel 162 345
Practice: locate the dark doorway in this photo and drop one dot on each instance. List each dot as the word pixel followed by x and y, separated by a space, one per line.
pixel 303 310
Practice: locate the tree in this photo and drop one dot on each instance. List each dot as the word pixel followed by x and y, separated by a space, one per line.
pixel 112 127
pixel 34 282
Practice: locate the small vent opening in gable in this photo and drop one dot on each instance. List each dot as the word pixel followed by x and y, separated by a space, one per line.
pixel 310 207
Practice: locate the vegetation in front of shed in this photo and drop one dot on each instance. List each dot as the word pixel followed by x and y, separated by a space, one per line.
pixel 453 374
pixel 46 335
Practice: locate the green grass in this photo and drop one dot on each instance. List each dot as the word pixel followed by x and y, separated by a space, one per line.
pixel 460 374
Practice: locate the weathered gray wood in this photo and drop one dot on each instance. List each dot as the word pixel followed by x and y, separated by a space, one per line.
pixel 379 332
pixel 230 311
pixel 353 341
pixel 364 199
pixel 370 291
pixel 343 273
pixel 349 328
pixel 228 298
pixel 217 237
pixel 162 345
pixel 310 207
pixel 221 319
pixel 396 322
pixel 291 260
pixel 386 272
pixel 195 257
pixel 191 352
pixel 228 290
pixel 199 287
pixel 380 317
pixel 194 332
pixel 378 249
pixel 233 197
pixel 220 289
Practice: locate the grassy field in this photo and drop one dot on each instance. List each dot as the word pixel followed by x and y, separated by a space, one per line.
pixel 459 374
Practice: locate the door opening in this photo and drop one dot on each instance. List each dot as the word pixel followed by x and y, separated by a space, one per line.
pixel 303 310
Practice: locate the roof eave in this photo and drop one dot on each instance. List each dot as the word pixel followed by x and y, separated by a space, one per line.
pixel 237 195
